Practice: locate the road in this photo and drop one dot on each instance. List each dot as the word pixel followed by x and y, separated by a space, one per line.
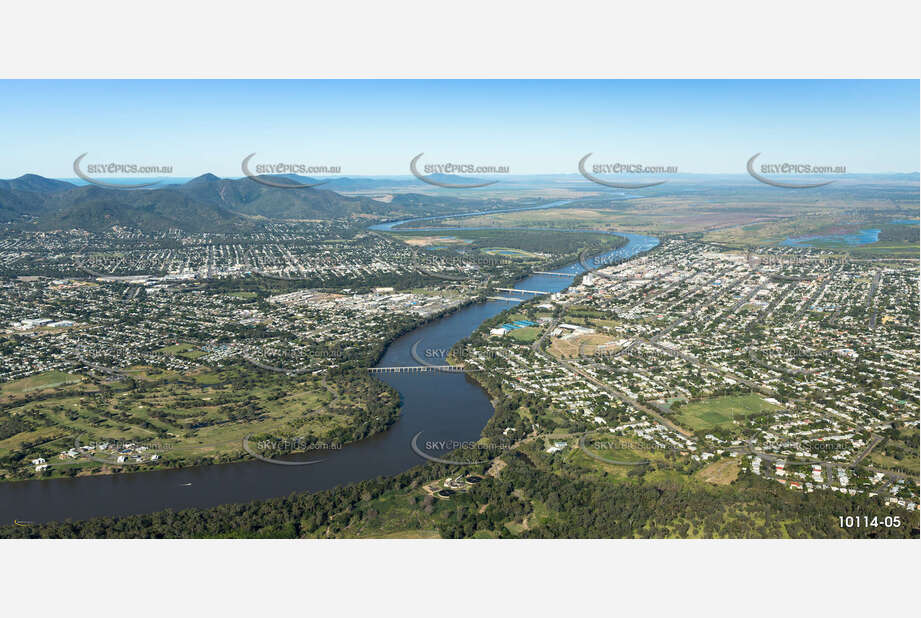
pixel 873 287
pixel 536 347
pixel 726 374
pixel 653 341
pixel 818 293
pixel 618 395
pixel 828 466
pixel 706 302
pixel 743 301
pixel 778 299
pixel 874 441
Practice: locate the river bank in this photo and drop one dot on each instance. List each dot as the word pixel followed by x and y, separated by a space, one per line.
pixel 437 405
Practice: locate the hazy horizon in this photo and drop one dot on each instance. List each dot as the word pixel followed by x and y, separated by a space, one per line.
pixel 374 127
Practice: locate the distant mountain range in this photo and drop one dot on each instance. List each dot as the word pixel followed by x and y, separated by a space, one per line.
pixel 205 203
pixel 210 203
pixel 33 182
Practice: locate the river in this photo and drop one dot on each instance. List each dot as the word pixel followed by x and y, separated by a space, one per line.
pixel 442 406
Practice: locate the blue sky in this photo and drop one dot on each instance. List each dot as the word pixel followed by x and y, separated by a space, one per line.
pixel 376 127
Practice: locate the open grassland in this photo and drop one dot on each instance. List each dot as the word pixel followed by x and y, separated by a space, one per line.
pixel 655 216
pixel 586 345
pixel 906 250
pixel 739 218
pixel 720 472
pixel 509 253
pixel 421 240
pixel 898 453
pixel 182 350
pixel 506 244
pixel 606 458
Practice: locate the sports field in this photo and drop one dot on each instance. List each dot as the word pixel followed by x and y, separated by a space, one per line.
pixel 721 411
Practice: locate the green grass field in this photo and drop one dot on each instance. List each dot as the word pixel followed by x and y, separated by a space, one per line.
pixel 528 334
pixel 612 455
pixel 888 249
pixel 508 253
pixel 720 411
pixel 183 350
pixel 49 379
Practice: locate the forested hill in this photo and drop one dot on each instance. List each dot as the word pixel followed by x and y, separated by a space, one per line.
pixel 205 203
